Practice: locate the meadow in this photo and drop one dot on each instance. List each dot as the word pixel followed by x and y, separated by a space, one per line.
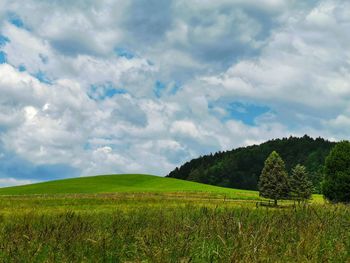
pixel 157 220
pixel 124 183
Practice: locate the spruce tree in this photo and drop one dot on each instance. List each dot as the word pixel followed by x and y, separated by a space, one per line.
pixel 273 181
pixel 300 185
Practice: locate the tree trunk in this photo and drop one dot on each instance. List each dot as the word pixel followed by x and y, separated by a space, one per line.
pixel 275 202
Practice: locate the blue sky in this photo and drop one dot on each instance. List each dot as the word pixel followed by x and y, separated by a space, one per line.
pixel 95 87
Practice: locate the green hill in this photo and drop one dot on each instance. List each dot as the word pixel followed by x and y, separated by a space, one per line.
pixel 132 183
pixel 240 168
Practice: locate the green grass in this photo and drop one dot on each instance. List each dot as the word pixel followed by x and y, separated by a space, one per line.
pixel 131 183
pixel 163 227
pixel 143 218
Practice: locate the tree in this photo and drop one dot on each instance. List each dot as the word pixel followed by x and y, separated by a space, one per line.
pixel 300 185
pixel 336 184
pixel 273 182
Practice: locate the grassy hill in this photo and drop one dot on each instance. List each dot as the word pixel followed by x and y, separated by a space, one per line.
pixel 123 183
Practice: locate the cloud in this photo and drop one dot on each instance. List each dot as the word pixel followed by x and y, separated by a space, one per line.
pixel 15 170
pixel 142 86
pixel 148 20
pixel 304 66
pixel 6 182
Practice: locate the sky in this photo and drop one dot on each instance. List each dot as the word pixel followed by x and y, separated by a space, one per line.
pixel 141 86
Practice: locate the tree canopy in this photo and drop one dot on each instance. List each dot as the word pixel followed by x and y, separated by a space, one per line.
pixel 336 185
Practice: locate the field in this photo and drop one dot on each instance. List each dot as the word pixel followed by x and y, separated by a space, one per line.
pixel 152 219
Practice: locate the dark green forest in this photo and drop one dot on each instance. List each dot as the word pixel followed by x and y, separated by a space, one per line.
pixel 240 168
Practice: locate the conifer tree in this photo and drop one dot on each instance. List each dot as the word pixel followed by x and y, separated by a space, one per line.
pixel 300 185
pixel 273 181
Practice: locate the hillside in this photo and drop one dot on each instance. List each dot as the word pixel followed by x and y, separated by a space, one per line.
pixel 122 183
pixel 240 168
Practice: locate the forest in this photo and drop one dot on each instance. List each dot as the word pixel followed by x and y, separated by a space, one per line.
pixel 241 167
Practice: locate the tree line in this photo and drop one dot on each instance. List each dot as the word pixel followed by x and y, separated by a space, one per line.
pixel 241 168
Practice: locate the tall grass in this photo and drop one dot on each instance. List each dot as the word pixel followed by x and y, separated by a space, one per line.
pixel 126 228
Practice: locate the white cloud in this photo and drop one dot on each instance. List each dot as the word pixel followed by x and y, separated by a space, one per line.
pixel 185 128
pixel 289 56
pixel 303 64
pixel 13 182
